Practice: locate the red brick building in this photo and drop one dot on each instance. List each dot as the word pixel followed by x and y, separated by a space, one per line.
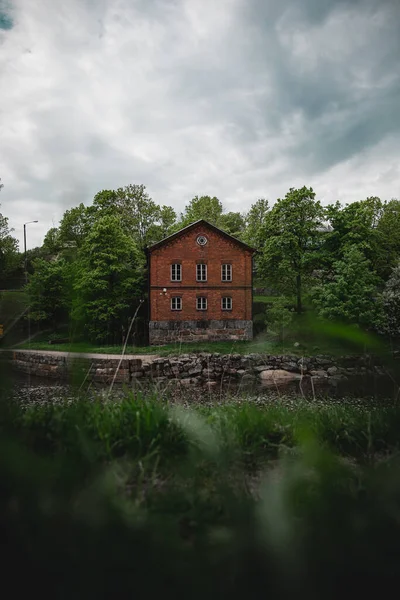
pixel 200 286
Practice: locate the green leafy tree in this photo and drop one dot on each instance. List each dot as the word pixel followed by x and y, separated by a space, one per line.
pixel 203 207
pixel 391 304
pixel 351 296
pixel 136 210
pixel 279 317
pixel 48 291
pixel 74 226
pixel 108 280
pixel 9 256
pixel 291 234
pixel 388 239
pixel 255 223
pixel 355 224
pixel 51 244
pixel 233 223
pixel 164 227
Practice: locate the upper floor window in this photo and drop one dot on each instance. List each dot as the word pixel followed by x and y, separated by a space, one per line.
pixel 176 272
pixel 201 272
pixel 226 303
pixel 176 303
pixel 226 272
pixel 201 303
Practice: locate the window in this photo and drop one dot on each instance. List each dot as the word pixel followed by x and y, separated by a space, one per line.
pixel 226 272
pixel 202 240
pixel 201 272
pixel 227 303
pixel 201 303
pixel 176 303
pixel 176 272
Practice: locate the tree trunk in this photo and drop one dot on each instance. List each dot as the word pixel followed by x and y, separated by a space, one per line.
pixel 298 293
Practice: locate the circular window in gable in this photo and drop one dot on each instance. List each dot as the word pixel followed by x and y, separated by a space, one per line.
pixel 202 240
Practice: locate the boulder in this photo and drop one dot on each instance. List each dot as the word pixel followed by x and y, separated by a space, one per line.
pixel 279 376
pixel 320 373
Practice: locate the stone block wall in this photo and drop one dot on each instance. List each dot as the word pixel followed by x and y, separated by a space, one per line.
pixel 164 332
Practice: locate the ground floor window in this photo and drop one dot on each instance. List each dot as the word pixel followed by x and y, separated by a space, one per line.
pixel 176 303
pixel 226 303
pixel 201 303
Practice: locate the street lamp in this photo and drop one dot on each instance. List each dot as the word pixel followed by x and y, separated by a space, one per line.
pixel 26 270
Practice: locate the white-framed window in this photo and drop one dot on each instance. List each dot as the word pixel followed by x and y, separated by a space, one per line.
pixel 176 303
pixel 226 272
pixel 201 272
pixel 226 303
pixel 201 303
pixel 176 272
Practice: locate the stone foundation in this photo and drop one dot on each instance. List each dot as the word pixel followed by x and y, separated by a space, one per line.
pixel 165 332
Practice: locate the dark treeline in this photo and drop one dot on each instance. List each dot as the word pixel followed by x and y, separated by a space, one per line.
pixel 340 261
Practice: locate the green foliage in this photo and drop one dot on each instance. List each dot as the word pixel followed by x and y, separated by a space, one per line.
pixel 140 217
pixel 279 316
pixel 391 305
pixel 203 207
pixel 233 223
pixel 351 296
pixel 255 223
pixel 9 257
pixel 48 292
pixel 108 280
pixel 355 224
pixel 74 226
pixel 291 231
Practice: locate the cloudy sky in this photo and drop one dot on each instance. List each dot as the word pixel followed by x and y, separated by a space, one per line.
pixel 235 98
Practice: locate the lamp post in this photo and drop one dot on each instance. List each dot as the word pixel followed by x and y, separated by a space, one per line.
pixel 26 269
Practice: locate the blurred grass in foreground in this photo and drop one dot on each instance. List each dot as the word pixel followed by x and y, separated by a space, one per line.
pixel 137 498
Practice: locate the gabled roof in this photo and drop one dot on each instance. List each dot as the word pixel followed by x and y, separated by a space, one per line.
pixel 170 238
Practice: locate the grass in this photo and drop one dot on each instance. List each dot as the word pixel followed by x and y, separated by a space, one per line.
pixel 140 497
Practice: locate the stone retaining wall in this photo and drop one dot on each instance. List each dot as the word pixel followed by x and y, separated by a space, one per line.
pixel 202 368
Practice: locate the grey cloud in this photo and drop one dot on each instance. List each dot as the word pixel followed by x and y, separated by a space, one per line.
pixel 236 98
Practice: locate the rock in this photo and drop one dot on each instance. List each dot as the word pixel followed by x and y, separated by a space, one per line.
pixel 332 371
pixel 196 370
pixel 296 344
pixel 319 373
pixel 279 376
pixel 290 366
pixel 261 368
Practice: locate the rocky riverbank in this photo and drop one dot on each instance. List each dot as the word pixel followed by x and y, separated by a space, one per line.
pixel 197 369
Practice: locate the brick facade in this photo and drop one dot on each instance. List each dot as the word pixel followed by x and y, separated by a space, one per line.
pixel 190 323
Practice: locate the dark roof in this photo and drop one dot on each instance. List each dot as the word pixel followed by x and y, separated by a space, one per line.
pixel 192 226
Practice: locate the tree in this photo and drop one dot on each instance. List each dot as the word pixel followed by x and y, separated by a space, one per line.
pixel 351 296
pixel 279 316
pixel 255 221
pixel 391 304
pixel 233 223
pixel 164 227
pixel 388 237
pixel 109 279
pixel 291 234
pixel 51 243
pixel 203 207
pixel 134 207
pixel 355 224
pixel 9 256
pixel 74 226
pixel 48 292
